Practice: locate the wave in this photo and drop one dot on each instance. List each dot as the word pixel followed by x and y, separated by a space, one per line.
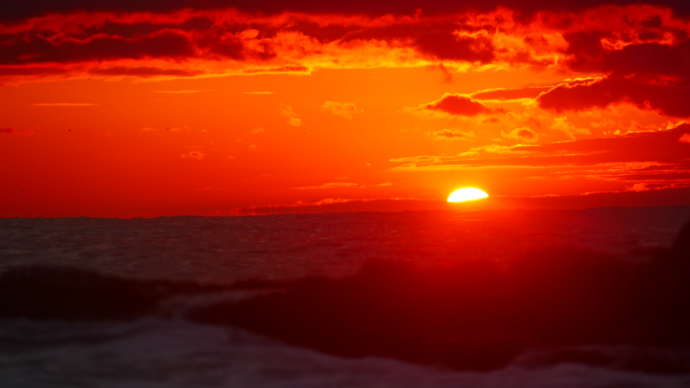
pixel 468 315
pixel 481 315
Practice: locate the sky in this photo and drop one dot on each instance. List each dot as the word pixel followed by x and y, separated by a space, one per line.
pixel 128 108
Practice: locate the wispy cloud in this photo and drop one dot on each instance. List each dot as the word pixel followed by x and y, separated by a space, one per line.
pixel 342 185
pixel 523 135
pixel 456 105
pixel 453 134
pixel 64 104
pixel 293 118
pixel 196 155
pixel 185 91
pixel 15 132
pixel 328 186
pixel 346 110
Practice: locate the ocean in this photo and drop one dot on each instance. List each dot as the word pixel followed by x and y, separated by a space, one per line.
pixel 539 298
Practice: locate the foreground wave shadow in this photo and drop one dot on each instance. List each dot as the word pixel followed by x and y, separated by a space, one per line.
pixel 468 315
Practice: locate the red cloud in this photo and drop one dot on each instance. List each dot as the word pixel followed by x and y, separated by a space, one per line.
pixel 660 146
pixel 587 53
pixel 454 134
pixel 15 132
pixel 436 38
pixel 670 99
pixel 212 38
pixel 508 94
pixel 654 158
pixel 457 105
pixel 144 71
pixel 525 135
pixel 41 50
pixel 30 8
pixel 648 66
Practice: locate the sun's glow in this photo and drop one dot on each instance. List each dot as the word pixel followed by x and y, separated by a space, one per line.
pixel 467 194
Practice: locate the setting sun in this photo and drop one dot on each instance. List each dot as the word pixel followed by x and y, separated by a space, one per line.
pixel 467 194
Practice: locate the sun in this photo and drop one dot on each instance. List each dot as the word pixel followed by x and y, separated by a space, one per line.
pixel 467 194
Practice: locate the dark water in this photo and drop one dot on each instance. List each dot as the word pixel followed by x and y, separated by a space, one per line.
pixel 593 298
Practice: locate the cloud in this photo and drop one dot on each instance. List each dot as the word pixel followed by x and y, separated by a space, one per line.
pixel 345 110
pixel 143 71
pixel 508 94
pixel 196 155
pixel 188 91
pixel 524 134
pixel 40 49
pixel 343 185
pixel 453 134
pixel 16 132
pixel 219 37
pixel 454 104
pixel 645 63
pixel 685 138
pixel 435 38
pixel 166 129
pixel 588 52
pixel 293 119
pixel 660 148
pixel 289 69
pixel 259 93
pixel 328 186
pixel 667 98
pixel 228 41
pixel 32 8
pixel 64 104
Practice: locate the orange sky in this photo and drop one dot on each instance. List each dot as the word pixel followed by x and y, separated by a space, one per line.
pixel 181 109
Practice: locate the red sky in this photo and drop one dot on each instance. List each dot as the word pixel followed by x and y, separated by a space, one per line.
pixel 130 108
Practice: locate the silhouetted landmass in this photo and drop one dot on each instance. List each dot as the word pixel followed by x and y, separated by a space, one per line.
pixel 472 315
pixel 652 198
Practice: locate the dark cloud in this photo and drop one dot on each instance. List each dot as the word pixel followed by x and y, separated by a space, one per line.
pixel 133 29
pixel 651 58
pixel 144 71
pixel 523 135
pixel 651 75
pixel 435 38
pixel 662 149
pixel 436 33
pixel 15 132
pixel 13 11
pixel 588 54
pixel 668 98
pixel 526 133
pixel 457 105
pixel 29 71
pixel 508 94
pixel 662 146
pixel 171 45
pixel 454 134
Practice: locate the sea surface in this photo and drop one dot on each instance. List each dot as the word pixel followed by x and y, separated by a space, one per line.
pixel 161 284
